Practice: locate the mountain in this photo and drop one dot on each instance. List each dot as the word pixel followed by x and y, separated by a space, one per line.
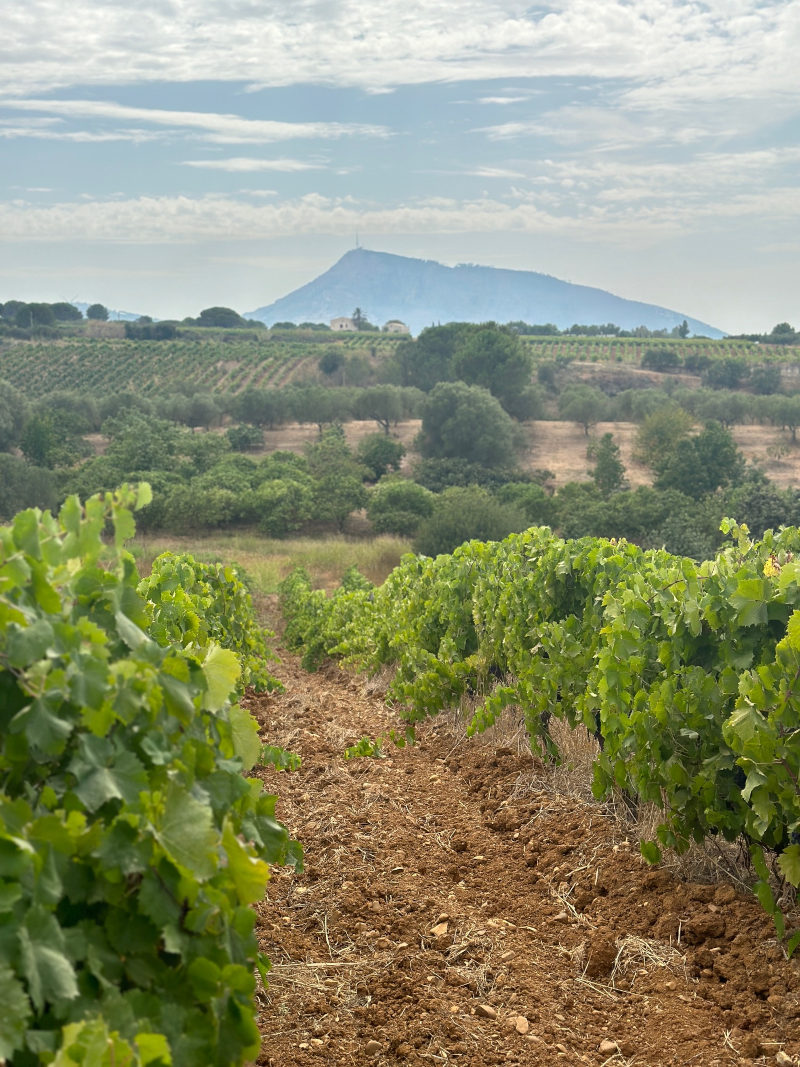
pixel 421 293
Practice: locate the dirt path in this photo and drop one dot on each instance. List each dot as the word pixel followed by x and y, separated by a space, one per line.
pixel 455 909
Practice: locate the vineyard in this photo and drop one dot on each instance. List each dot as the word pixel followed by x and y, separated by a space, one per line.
pixel 231 364
pixel 134 852
pixel 685 673
pixel 630 350
pixel 110 365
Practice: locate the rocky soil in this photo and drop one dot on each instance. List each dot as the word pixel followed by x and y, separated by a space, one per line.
pixel 459 906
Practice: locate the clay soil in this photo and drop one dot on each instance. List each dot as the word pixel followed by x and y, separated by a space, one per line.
pixel 463 904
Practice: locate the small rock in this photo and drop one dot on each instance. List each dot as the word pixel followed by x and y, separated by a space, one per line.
pixel 372 1048
pixel 606 1047
pixel 522 1026
pixel 486 1011
pixel 440 930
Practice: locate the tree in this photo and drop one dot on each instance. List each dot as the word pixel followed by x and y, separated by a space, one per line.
pixel 30 315
pixel 495 359
pixel 331 361
pixel 220 317
pixel 24 486
pixel 699 465
pixel 13 412
pixel 728 373
pixel 467 422
pixel 379 453
pixel 361 322
pixel 660 433
pixel 663 360
pixel 583 404
pixel 399 506
pixel 608 473
pixel 765 379
pixel 387 404
pixel 428 360
pixel 66 312
pixel 463 515
pixel 97 312
pixel 339 478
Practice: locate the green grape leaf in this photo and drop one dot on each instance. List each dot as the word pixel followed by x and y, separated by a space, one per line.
pixel 153 1048
pixel 650 851
pixel 222 669
pixel 46 969
pixel 187 833
pixel 789 864
pixel 246 742
pixel 249 873
pixel 15 1014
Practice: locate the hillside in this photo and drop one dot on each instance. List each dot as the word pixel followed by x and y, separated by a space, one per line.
pixel 422 292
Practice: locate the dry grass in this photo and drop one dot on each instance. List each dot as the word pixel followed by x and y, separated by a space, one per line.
pixel 267 561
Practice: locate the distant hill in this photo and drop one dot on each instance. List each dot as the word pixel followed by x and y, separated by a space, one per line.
pixel 422 293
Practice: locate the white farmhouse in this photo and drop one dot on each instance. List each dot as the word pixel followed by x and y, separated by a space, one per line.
pixel 347 325
pixel 395 326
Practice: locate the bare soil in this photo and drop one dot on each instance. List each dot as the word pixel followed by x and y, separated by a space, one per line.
pixel 561 447
pixel 459 905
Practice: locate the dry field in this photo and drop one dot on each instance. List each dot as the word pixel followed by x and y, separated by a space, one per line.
pixel 561 447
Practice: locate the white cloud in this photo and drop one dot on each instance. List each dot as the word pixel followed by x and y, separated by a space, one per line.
pixel 218 128
pixel 184 219
pixel 672 52
pixel 243 164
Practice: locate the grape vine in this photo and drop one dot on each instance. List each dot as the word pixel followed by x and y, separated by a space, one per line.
pixel 131 844
pixel 688 674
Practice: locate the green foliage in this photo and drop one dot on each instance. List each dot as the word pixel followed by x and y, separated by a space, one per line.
pixel 339 478
pixel 699 465
pixel 688 672
pixel 198 605
pixel 13 412
pixel 465 514
pixel 583 404
pixel 24 486
pixel 398 507
pixel 279 758
pixel 220 317
pixel 132 846
pixel 495 359
pixel 380 454
pixel 664 360
pixel 659 434
pixel 608 473
pixel 466 422
pixel 97 312
pixel 245 438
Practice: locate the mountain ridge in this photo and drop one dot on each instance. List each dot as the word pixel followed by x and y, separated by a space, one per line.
pixel 423 292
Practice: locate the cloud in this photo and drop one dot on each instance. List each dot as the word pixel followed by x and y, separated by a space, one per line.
pixel 145 220
pixel 218 128
pixel 668 52
pixel 242 164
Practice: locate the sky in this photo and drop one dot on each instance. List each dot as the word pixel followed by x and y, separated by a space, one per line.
pixel 162 156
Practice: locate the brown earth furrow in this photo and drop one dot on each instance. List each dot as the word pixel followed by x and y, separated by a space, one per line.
pixel 456 908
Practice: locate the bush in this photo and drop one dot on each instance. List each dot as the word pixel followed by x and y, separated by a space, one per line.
pixel 398 507
pixel 245 438
pixel 464 515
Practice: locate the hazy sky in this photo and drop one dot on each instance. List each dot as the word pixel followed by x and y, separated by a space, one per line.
pixel 160 156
